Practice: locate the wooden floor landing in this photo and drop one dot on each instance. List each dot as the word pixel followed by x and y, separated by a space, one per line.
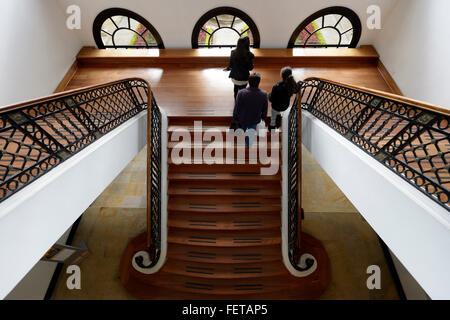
pixel 187 87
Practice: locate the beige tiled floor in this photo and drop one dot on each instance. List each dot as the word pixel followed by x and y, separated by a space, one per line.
pixel 118 215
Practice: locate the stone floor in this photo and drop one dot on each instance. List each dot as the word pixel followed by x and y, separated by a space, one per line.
pixel 118 215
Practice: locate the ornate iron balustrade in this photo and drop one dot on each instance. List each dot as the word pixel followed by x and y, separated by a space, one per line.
pixel 151 259
pixel 37 136
pixel 154 187
pixel 408 137
pixel 293 184
pixel 298 262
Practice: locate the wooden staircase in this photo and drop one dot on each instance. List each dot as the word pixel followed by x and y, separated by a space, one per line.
pixel 224 237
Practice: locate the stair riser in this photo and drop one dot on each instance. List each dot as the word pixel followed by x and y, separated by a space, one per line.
pixel 198 221
pixel 228 243
pixel 236 184
pixel 222 168
pixel 217 255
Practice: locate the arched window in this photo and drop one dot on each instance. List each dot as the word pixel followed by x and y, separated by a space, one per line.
pixel 122 28
pixel 337 27
pixel 222 27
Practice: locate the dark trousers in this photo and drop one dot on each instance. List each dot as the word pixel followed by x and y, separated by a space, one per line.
pixel 249 136
pixel 237 88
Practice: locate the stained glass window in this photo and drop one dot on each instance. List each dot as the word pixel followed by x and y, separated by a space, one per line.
pixel 121 28
pixel 331 27
pixel 222 27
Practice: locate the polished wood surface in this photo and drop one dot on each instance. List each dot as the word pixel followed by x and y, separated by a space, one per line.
pixel 191 91
pixel 364 54
pixel 67 77
pixel 225 278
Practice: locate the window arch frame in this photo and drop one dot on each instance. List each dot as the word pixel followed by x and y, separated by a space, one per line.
pixel 348 13
pixel 228 11
pixel 111 12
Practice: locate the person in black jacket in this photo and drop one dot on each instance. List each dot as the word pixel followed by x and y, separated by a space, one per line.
pixel 240 65
pixel 280 96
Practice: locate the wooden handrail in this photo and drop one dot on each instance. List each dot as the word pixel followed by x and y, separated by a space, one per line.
pixel 66 93
pixel 420 104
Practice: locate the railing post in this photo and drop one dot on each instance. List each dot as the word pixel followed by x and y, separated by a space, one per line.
pixel 299 170
pixel 149 169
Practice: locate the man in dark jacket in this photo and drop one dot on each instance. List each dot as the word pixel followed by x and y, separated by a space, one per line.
pixel 251 107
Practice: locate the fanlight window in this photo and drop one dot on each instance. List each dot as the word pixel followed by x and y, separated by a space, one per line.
pixel 222 27
pixel 121 28
pixel 331 27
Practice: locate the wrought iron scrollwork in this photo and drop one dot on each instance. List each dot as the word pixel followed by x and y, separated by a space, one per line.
pixel 36 137
pixel 148 259
pixel 293 186
pixel 412 142
pixel 300 261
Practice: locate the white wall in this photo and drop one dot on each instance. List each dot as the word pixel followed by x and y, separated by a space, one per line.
pixel 175 19
pixel 414 46
pixel 36 49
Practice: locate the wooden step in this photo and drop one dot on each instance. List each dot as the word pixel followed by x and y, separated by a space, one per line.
pixel 241 190
pixel 219 145
pixel 219 168
pixel 224 238
pixel 224 204
pixel 232 177
pixel 227 255
pixel 240 286
pixel 207 272
pixel 205 221
pixel 263 187
pixel 187 120
pixel 213 130
pixel 223 148
pixel 224 271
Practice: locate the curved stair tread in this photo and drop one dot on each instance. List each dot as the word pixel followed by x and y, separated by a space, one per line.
pixel 239 286
pixel 224 271
pixel 227 255
pixel 224 238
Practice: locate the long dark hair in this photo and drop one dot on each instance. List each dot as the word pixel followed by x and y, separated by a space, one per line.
pixel 242 51
pixel 288 79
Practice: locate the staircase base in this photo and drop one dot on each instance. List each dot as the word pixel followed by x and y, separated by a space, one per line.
pixel 311 287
